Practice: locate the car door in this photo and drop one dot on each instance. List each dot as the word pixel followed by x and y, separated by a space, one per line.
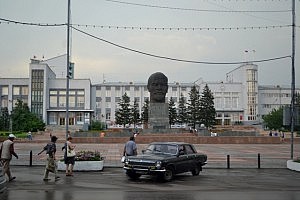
pixel 182 160
pixel 191 156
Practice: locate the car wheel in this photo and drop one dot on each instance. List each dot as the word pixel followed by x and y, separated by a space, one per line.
pixel 133 175
pixel 196 170
pixel 168 174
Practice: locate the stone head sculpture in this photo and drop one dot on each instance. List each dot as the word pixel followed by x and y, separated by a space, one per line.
pixel 158 87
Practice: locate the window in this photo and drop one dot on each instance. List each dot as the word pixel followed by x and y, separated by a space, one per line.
pixel 52 118
pixel 235 102
pixel 218 102
pixel 117 99
pixel 79 118
pixel 16 90
pixel 137 99
pixel 107 113
pixel 107 99
pixel 72 101
pixel 227 102
pixel 62 101
pixel 189 149
pixel 5 90
pixel 53 101
pixel 98 99
pixel 98 93
pixel 80 101
pixel 80 92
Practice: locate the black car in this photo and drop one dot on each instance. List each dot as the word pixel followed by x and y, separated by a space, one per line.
pixel 165 159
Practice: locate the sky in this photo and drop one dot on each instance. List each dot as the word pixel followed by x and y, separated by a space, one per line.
pixel 212 35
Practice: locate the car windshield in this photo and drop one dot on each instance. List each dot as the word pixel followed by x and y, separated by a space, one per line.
pixel 162 148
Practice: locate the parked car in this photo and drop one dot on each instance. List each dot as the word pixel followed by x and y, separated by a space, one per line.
pixel 164 160
pixel 2 181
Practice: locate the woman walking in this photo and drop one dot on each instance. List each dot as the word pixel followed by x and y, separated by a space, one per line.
pixel 69 156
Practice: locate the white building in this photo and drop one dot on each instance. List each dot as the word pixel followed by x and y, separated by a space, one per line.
pixel 238 99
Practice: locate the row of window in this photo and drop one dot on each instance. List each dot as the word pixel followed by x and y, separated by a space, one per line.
pixel 135 88
pixel 58 99
pixel 271 95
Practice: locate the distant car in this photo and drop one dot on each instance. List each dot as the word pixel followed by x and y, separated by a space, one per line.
pixel 2 181
pixel 165 159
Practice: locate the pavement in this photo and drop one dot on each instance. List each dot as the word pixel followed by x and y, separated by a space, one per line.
pixel 219 155
pixel 272 180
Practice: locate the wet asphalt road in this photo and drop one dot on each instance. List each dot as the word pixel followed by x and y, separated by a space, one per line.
pixel 112 183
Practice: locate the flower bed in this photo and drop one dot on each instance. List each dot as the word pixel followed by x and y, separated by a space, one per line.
pixel 85 161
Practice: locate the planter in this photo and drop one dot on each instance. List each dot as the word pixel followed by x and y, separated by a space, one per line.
pixel 82 165
pixel 293 165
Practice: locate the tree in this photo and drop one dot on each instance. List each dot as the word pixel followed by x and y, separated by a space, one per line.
pixel 193 108
pixel 24 120
pixel 297 99
pixel 182 116
pixel 4 119
pixel 145 113
pixel 274 119
pixel 207 108
pixel 135 113
pixel 123 114
pixel 172 112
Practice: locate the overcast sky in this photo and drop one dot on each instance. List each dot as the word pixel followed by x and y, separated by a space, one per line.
pixel 97 59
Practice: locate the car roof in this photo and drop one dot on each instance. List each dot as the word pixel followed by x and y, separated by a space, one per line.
pixel 172 143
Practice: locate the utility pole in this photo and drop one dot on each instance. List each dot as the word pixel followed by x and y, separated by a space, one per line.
pixel 68 68
pixel 293 80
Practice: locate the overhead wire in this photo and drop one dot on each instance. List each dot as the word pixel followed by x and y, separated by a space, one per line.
pixel 194 9
pixel 30 23
pixel 176 59
pixel 147 28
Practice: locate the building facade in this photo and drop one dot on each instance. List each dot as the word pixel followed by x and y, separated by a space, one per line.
pixel 238 99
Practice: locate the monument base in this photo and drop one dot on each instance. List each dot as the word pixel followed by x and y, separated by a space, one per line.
pixel 158 116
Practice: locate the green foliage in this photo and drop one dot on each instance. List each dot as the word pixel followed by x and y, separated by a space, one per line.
pixel 274 120
pixel 97 126
pixel 297 98
pixel 22 119
pixel 145 111
pixel 135 113
pixel 182 116
pixel 172 112
pixel 123 114
pixel 193 107
pixel 88 156
pixel 4 119
pixel 207 108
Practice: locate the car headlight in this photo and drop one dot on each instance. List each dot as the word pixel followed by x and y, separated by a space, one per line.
pixel 158 164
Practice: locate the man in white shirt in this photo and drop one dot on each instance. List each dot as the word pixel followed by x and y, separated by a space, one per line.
pixel 7 150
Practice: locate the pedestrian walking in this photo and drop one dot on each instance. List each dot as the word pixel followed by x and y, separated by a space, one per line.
pixel 51 165
pixel 130 148
pixel 69 156
pixel 6 152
